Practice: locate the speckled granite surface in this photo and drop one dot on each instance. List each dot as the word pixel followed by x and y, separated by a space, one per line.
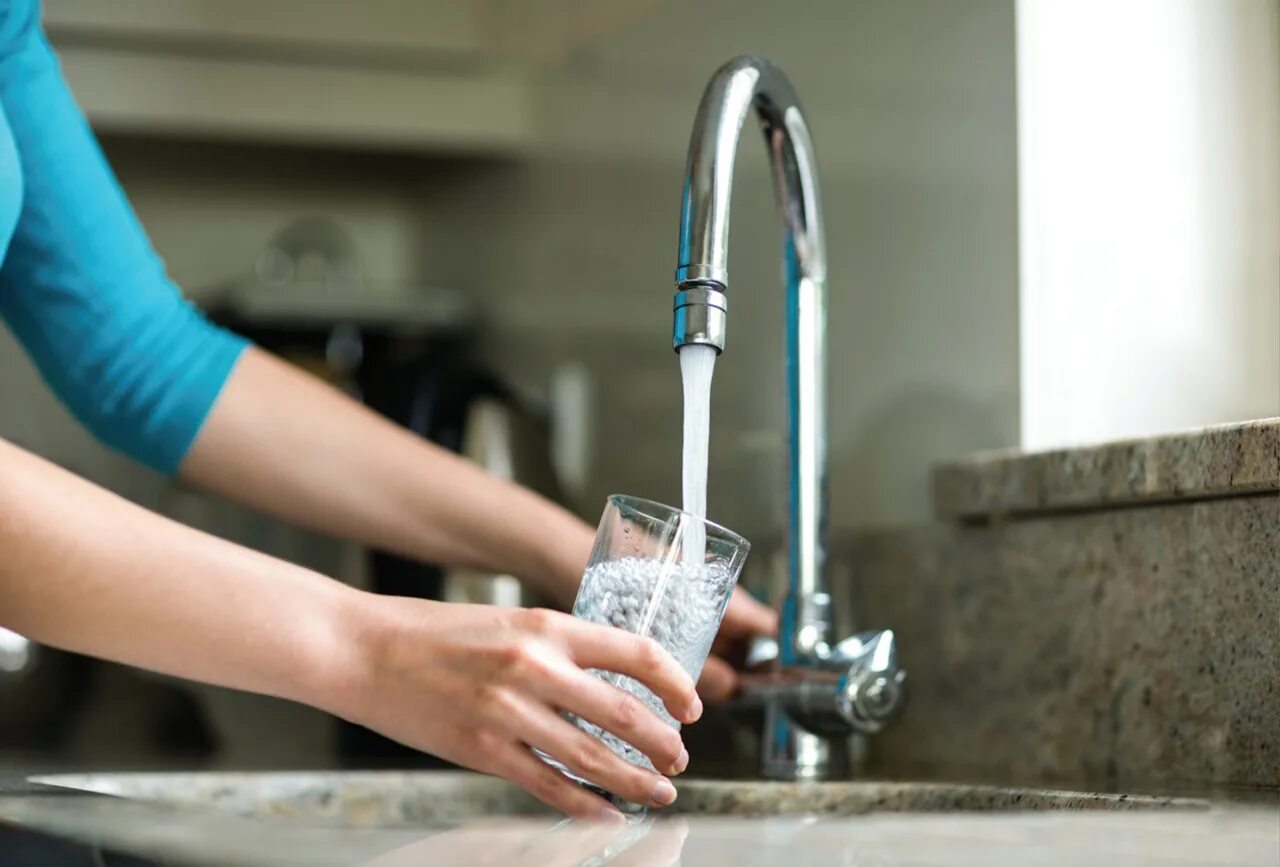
pixel 390 799
pixel 1224 460
pixel 325 819
pixel 1128 646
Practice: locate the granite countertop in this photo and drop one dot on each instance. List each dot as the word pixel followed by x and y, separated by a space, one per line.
pixel 1224 460
pixel 339 823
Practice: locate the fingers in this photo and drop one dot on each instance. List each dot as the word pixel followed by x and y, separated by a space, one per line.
pixel 745 616
pixel 550 786
pixel 618 711
pixel 719 680
pixel 594 646
pixel 590 758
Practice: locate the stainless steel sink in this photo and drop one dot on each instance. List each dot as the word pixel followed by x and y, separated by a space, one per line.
pixel 434 798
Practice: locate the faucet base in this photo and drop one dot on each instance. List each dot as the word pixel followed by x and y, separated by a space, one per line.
pixel 793 754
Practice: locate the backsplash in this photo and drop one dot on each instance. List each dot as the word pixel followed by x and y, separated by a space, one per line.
pixel 1123 645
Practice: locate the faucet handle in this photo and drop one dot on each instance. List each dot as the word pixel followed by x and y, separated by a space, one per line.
pixel 873 687
pixel 857 684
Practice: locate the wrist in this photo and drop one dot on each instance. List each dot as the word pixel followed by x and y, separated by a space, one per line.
pixel 340 659
pixel 563 557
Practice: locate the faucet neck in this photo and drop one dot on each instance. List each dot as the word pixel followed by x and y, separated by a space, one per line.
pixel 740 85
pixel 702 271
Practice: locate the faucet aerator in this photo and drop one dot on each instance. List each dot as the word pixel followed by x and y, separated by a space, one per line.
pixel 701 314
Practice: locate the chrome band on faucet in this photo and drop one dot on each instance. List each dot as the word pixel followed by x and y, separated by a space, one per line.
pixel 700 317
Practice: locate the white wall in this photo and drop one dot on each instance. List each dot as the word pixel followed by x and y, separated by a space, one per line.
pixel 1149 145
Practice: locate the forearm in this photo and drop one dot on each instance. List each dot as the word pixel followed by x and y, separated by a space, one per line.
pixel 87 571
pixel 286 443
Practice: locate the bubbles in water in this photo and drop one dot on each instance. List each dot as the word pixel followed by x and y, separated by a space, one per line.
pixel 677 604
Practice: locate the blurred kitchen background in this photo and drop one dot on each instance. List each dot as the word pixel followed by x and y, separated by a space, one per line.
pixel 1048 223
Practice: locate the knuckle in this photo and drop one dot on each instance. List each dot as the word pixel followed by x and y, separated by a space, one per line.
pixel 493 699
pixel 508 654
pixel 545 786
pixel 593 759
pixel 486 744
pixel 672 746
pixel 520 659
pixel 648 653
pixel 486 694
pixel 481 745
pixel 627 713
pixel 536 620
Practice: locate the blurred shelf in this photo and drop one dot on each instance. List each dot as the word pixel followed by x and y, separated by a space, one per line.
pixel 426 310
pixel 393 76
pixel 407 30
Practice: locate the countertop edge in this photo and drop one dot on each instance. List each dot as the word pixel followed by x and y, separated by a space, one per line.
pixel 1219 461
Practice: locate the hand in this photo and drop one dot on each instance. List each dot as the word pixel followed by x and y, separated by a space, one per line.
pixel 479 685
pixel 744 619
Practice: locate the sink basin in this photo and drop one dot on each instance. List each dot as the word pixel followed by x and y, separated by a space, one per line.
pixel 380 799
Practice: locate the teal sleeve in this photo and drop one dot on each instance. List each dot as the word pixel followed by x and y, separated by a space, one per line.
pixel 80 286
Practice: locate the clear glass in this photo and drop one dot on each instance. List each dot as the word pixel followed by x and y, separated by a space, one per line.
pixel 662 573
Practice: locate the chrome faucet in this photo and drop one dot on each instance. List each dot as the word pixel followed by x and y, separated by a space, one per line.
pixel 817 692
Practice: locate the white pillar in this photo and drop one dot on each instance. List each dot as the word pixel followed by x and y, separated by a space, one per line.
pixel 1149 215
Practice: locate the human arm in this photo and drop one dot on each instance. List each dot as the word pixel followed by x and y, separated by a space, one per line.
pixel 90 572
pixel 86 295
pixel 286 443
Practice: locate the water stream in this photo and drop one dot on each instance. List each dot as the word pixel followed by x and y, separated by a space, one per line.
pixel 697 363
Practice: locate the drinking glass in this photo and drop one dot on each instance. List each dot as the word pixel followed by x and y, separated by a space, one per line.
pixel 663 573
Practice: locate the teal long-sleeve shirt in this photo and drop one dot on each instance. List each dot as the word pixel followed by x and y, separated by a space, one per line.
pixel 80 286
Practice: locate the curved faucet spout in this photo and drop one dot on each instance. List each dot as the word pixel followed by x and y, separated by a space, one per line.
pixel 701 310
pixel 736 87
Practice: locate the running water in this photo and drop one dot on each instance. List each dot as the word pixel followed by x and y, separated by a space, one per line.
pixel 678 604
pixel 697 363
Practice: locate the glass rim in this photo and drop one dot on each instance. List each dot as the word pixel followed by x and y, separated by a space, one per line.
pixel 647 507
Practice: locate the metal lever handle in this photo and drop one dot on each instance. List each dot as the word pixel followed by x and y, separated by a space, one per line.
pixel 855 686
